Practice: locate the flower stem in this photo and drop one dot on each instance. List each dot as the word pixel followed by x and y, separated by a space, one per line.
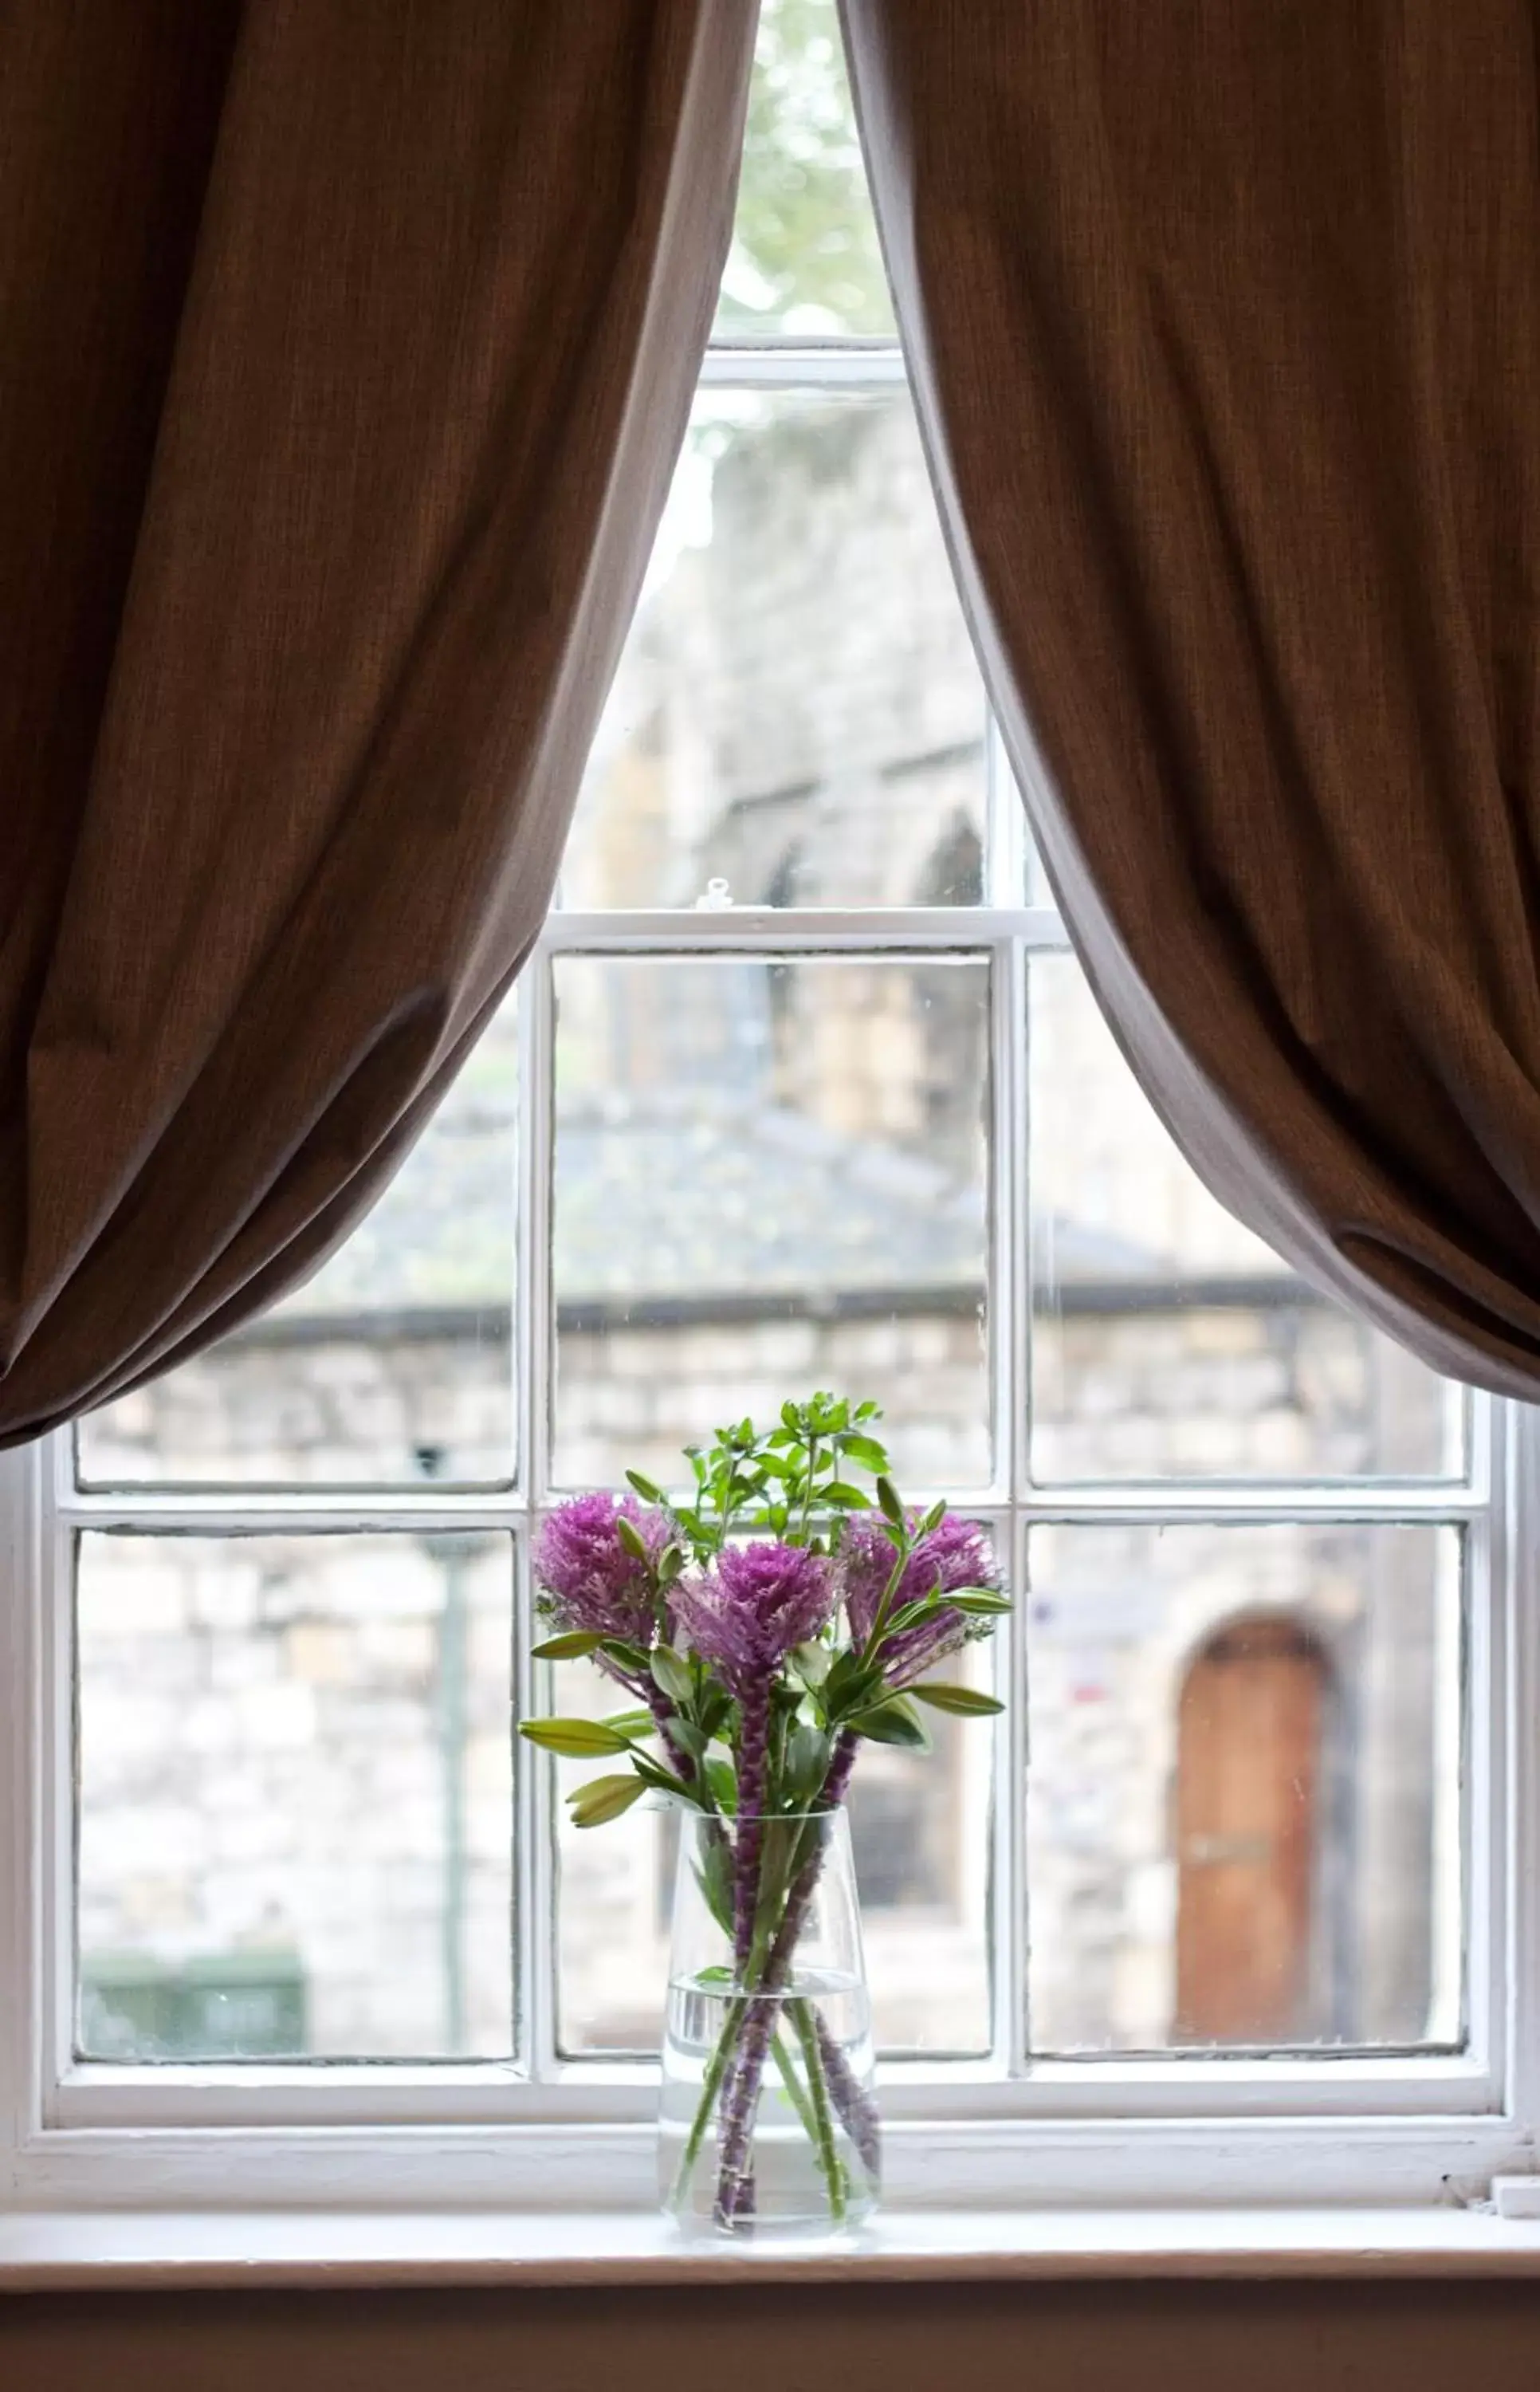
pixel 793 2084
pixel 853 2105
pixel 747 2029
pixel 658 1703
pixel 802 2015
pixel 744 2095
pixel 716 2068
pixel 808 1491
pixel 754 1735
pixel 879 1617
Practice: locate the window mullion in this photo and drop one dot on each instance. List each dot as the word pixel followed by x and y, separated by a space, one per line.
pixel 58 1780
pixel 803 365
pixel 1007 846
pixel 1010 1311
pixel 29 1840
pixel 1506 1671
pixel 536 1142
pixel 1182 1503
pixel 534 1953
pixel 773 930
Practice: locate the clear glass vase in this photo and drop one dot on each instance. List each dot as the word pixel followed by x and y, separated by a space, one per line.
pixel 768 2124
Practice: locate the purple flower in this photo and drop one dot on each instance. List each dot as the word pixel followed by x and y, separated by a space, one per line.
pixel 743 1618
pixel 760 1600
pixel 587 1578
pixel 952 1555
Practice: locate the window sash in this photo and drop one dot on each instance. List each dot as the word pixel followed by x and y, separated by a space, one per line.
pixel 1356 2127
pixel 1010 1502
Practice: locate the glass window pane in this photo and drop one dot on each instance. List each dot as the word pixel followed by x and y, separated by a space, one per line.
pixel 920 1829
pixel 394 1363
pixel 798 710
pixel 295 1796
pixel 804 256
pixel 1243 1798
pixel 771 1177
pixel 1167 1339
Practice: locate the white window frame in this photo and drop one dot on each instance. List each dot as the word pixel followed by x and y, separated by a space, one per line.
pixel 549 2133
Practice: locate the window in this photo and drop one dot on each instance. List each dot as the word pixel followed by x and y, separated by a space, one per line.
pixel 804 1087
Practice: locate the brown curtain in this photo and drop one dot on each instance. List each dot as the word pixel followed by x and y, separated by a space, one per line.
pixel 348 345
pixel 1225 317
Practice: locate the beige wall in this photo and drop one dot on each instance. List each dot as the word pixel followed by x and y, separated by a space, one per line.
pixel 1398 2337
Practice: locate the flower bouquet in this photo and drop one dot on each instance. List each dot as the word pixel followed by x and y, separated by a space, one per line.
pixel 764 1630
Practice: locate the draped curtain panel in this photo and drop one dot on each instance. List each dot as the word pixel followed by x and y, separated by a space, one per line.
pixel 1224 320
pixel 347 350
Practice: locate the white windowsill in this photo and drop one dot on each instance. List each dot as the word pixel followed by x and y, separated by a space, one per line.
pixel 162 2250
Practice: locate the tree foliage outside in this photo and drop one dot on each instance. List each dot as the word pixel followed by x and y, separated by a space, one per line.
pixel 805 254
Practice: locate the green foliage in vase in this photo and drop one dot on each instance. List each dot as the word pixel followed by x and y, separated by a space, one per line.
pixel 766 1621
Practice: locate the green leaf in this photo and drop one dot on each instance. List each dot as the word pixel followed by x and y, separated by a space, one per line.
pixel 631 1538
pixel 868 1411
pixel 644 1488
pixel 568 1648
pixel 664 1781
pixel 578 1739
pixel 631 1724
pixel 722 1778
pixel 811 1663
pixel 895 1722
pixel 714 1876
pixel 966 1701
pixel 844 1667
pixel 807 1753
pixel 670 1563
pixel 713 1711
pixel 867 1451
pixel 603 1798
pixel 629 1657
pixel 849 1499
pixel 978 1602
pixel 908 1615
pixel 672 1674
pixel 935 1516
pixel 888 1496
pixel 850 1683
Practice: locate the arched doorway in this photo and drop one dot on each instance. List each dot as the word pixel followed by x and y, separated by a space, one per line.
pixel 1250 1799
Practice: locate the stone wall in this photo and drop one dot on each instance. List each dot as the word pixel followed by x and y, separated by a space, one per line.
pixel 267 1732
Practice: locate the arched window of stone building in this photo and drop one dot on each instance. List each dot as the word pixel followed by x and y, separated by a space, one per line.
pixel 1251 1803
pixel 782 887
pixel 954 871
pixel 952 1033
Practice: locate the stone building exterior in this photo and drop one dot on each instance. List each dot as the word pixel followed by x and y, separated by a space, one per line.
pixel 771 1176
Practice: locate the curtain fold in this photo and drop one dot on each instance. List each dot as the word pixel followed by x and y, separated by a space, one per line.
pixel 1225 322
pixel 348 351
